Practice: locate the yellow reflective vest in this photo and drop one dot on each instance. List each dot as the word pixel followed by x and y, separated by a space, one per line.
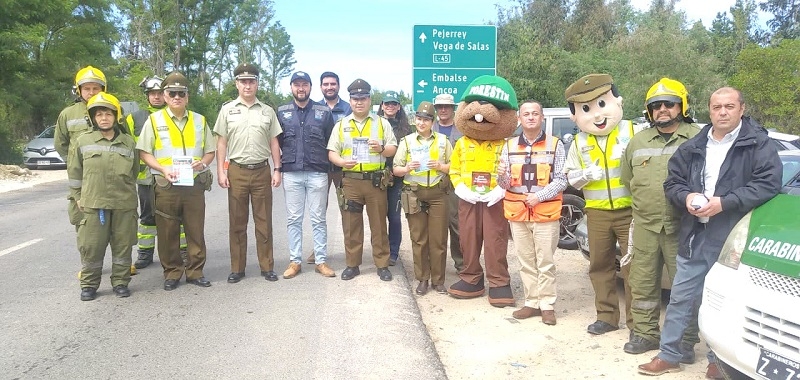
pixel 371 131
pixel 608 193
pixel 171 141
pixel 430 177
pixel 474 163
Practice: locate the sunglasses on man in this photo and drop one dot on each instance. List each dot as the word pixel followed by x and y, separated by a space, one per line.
pixel 173 94
pixel 657 105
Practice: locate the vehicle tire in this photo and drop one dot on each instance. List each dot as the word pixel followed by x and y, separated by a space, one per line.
pixel 571 214
pixel 730 373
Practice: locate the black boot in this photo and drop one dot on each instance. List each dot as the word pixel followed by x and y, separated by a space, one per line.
pixel 145 258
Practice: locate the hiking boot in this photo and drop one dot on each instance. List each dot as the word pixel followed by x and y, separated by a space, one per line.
pixel 639 345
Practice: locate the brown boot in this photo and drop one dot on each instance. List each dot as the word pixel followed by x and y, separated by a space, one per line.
pixel 549 317
pixel 526 312
pixel 292 270
pixel 325 270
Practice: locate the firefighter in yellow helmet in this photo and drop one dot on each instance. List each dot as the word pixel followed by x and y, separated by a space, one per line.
pixel 73 121
pixel 146 234
pixel 102 181
pixel 656 222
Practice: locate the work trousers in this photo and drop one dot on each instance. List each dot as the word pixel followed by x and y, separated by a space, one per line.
pixel 117 229
pixel 375 202
pixel 652 252
pixel 535 244
pixel 176 204
pixel 147 220
pixel 686 296
pixel 248 185
pixel 428 230
pixel 606 228
pixel 452 226
pixel 486 227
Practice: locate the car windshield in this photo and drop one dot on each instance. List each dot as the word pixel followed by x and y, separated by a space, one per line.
pixel 48 133
pixel 791 167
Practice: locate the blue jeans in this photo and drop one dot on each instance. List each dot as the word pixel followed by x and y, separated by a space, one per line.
pixel 311 188
pixel 686 295
pixel 393 214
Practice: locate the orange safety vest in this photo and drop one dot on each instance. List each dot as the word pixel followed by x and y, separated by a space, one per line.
pixel 531 170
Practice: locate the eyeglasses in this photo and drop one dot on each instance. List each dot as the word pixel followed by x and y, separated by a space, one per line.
pixel 172 94
pixel 657 105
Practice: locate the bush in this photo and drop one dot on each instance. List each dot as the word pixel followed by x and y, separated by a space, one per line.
pixel 10 149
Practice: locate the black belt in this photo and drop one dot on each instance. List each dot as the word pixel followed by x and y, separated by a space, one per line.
pixel 360 175
pixel 251 166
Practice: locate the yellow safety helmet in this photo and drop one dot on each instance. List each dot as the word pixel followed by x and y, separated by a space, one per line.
pixel 668 90
pixel 90 74
pixel 106 100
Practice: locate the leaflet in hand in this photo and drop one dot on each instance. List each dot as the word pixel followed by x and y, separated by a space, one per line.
pixel 421 154
pixel 361 150
pixel 182 168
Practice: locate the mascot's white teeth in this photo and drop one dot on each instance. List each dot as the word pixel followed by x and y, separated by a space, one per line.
pixel 478 117
pixel 602 124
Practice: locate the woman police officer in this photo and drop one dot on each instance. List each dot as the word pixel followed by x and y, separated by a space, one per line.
pixel 103 182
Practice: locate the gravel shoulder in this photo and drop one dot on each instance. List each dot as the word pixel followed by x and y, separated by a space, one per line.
pixel 13 182
pixel 477 341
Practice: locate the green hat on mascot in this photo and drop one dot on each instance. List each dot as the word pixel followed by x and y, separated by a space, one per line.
pixel 493 89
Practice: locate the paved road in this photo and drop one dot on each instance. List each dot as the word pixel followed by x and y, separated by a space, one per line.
pixel 303 328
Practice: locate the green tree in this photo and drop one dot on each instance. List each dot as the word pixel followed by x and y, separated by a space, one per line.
pixel 785 23
pixel 279 53
pixel 769 80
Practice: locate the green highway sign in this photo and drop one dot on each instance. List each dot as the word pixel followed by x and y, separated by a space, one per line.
pixel 448 57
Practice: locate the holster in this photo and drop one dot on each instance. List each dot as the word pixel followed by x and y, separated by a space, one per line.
pixel 206 178
pixel 162 182
pixel 353 206
pixel 340 197
pixel 409 201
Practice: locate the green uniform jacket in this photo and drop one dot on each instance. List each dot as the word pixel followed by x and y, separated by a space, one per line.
pixel 104 172
pixel 644 169
pixel 72 122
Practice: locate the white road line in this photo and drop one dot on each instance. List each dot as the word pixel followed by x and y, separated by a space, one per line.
pixel 19 246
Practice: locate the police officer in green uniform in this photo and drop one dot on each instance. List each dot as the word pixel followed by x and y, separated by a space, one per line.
pixel 656 222
pixel 147 217
pixel 424 159
pixel 360 143
pixel 102 180
pixel 74 121
pixel 178 146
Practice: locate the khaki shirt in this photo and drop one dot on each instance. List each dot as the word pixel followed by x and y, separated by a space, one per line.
pixel 147 139
pixel 248 130
pixel 414 140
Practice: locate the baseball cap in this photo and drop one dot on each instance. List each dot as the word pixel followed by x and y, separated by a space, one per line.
pixel 391 96
pixel 300 75
pixel 493 89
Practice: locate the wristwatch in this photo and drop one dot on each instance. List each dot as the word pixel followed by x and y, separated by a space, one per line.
pixel 276 169
pixel 383 147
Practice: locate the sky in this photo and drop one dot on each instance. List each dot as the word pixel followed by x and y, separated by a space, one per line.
pixel 373 39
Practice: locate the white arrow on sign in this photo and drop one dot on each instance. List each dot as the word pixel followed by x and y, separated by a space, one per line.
pixel 422 37
pixel 422 83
